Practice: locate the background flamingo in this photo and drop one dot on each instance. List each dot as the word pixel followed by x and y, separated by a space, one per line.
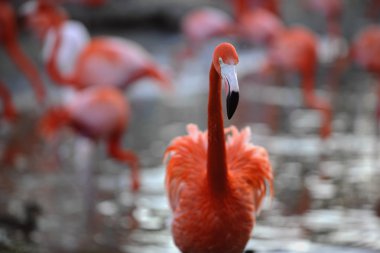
pixel 102 60
pixel 203 24
pixel 259 26
pixel 8 39
pixel 214 186
pixel 98 113
pixel 295 50
pixel 332 10
pixel 9 110
pixel 365 51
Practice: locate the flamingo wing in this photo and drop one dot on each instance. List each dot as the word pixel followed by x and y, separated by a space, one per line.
pixel 249 164
pixel 187 158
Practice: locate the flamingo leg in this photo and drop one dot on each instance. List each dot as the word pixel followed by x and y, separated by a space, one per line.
pixel 116 151
pixel 8 106
pixel 26 66
pixel 312 101
pixel 84 166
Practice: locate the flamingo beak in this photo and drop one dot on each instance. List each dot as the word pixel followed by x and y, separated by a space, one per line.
pixel 229 76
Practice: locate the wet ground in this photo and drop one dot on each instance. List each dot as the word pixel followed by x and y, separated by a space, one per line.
pixel 325 190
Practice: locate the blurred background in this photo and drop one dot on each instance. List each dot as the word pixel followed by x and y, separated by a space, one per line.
pixel 311 99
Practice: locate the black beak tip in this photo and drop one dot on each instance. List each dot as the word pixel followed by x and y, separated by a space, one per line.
pixel 232 103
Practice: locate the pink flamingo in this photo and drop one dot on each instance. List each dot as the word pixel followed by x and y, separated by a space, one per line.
pixel 295 50
pixel 98 113
pixel 100 61
pixel 365 49
pixel 203 24
pixel 332 10
pixel 241 6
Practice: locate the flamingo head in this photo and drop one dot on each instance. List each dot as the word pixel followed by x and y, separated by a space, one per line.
pixel 225 59
pixel 42 15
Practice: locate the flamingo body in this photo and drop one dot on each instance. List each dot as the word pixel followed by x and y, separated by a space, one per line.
pixel 295 49
pixel 199 217
pixel 100 114
pixel 259 26
pixel 115 61
pixel 242 6
pixel 367 48
pixel 328 8
pixel 332 10
pixel 204 23
pixel 90 62
pixel 97 113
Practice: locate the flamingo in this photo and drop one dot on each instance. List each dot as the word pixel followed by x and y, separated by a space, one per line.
pixel 295 50
pixel 8 39
pixel 241 6
pixel 215 186
pixel 8 106
pixel 98 113
pixel 332 10
pixel 365 50
pixel 259 26
pixel 97 61
pixel 203 24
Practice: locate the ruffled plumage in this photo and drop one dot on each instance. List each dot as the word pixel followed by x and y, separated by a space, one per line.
pixel 187 158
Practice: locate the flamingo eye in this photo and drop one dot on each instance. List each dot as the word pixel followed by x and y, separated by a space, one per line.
pixel 220 60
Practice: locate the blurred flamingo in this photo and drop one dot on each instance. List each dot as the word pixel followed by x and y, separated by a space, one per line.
pixel 295 50
pixel 333 46
pixel 98 113
pixel 99 61
pixel 241 6
pixel 259 26
pixel 8 39
pixel 202 24
pixel 365 51
pixel 214 186
pixel 332 10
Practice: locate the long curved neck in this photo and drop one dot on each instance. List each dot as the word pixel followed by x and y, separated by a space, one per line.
pixel 52 63
pixel 216 153
pixel 13 49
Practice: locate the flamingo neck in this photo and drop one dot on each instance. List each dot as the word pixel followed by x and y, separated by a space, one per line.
pixel 241 8
pixel 52 62
pixel 216 153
